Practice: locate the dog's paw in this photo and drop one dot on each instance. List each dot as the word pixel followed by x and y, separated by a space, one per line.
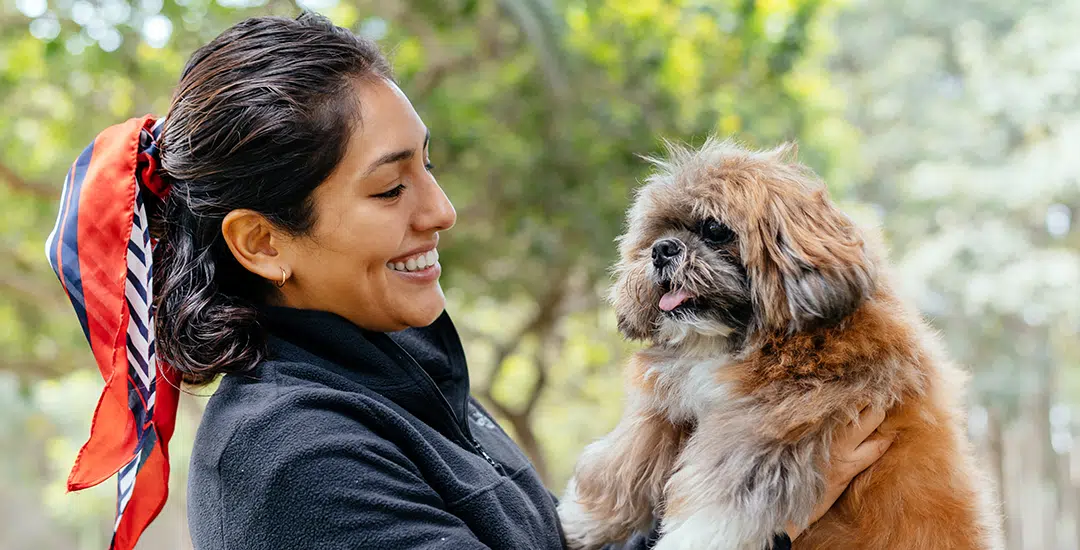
pixel 705 530
pixel 582 530
pixel 587 528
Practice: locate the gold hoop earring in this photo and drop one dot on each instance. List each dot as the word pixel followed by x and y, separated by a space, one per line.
pixel 283 277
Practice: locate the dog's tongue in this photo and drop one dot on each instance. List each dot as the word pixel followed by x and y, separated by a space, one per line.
pixel 672 299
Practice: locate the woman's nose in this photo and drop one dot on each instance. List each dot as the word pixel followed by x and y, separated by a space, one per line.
pixel 437 213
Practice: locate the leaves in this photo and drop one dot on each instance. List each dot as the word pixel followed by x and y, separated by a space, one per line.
pixel 968 117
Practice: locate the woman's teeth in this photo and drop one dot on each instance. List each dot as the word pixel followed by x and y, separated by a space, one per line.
pixel 416 263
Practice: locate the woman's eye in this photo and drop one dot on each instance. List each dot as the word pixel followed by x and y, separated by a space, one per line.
pixel 429 167
pixel 716 232
pixel 393 193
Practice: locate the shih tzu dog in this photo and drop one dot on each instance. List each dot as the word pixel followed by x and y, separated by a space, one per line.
pixel 770 322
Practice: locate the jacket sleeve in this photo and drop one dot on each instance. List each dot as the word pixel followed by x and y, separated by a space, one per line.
pixel 332 490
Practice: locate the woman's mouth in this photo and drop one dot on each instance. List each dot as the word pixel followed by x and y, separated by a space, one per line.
pixel 415 263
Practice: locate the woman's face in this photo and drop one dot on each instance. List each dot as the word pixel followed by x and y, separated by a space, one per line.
pixel 371 256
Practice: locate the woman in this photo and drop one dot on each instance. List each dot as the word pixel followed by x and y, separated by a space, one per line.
pixel 298 220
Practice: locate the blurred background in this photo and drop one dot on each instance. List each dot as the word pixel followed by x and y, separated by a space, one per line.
pixel 953 126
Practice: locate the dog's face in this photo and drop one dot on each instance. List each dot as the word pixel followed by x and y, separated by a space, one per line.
pixel 723 243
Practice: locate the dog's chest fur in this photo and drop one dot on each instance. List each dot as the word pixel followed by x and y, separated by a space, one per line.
pixel 686 388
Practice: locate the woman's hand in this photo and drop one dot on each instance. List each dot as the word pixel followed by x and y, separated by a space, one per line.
pixel 855 447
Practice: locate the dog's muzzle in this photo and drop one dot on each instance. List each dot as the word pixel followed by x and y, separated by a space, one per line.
pixel 665 251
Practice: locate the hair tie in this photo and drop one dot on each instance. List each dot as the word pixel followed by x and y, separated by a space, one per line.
pixel 102 252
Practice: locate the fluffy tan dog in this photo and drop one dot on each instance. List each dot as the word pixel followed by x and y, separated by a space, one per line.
pixel 771 322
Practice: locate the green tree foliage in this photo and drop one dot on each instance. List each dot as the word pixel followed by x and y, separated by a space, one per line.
pixel 969 119
pixel 538 112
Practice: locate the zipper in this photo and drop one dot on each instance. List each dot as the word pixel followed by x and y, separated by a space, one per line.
pixel 498 467
pixel 454 353
pixel 462 432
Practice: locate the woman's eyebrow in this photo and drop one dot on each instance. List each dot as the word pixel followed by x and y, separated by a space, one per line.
pixel 396 156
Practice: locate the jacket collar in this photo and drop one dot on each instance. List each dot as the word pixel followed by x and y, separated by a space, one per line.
pixel 417 368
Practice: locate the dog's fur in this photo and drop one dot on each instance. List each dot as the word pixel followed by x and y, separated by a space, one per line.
pixel 792 327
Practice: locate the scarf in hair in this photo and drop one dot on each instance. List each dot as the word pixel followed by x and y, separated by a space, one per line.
pixel 102 252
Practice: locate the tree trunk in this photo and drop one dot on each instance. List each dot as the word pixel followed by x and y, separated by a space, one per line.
pixel 995 456
pixel 541 326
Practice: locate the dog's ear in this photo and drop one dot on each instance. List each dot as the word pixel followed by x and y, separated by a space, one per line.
pixel 824 296
pixel 812 268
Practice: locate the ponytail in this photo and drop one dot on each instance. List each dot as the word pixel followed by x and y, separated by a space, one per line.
pixel 202 331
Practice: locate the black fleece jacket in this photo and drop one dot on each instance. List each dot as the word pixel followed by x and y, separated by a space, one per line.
pixel 344 438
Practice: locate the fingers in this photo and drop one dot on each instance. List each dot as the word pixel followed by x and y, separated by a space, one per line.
pixel 847 463
pixel 868 452
pixel 869 419
pixel 858 430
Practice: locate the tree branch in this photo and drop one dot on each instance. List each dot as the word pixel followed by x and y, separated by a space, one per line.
pixel 542 324
pixel 545 315
pixel 426 81
pixel 18 183
pixel 32 292
pixel 432 76
pixel 542 364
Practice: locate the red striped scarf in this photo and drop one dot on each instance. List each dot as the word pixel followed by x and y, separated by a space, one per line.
pixel 101 250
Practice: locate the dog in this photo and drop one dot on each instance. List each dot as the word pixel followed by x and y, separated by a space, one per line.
pixel 769 321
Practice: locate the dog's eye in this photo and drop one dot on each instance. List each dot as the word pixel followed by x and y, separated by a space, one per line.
pixel 716 232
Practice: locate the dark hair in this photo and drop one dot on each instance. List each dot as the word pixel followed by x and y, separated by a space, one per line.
pixel 260 118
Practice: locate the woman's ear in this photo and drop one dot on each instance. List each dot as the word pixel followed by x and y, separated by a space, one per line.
pixel 255 243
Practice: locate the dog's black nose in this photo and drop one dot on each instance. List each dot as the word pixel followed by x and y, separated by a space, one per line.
pixel 664 250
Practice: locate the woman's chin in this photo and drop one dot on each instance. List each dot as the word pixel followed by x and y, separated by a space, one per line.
pixel 423 308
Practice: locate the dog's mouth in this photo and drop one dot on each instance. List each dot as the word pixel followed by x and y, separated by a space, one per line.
pixel 674 298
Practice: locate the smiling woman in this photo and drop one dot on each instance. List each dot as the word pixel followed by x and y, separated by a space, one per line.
pixel 379 208
pixel 298 221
